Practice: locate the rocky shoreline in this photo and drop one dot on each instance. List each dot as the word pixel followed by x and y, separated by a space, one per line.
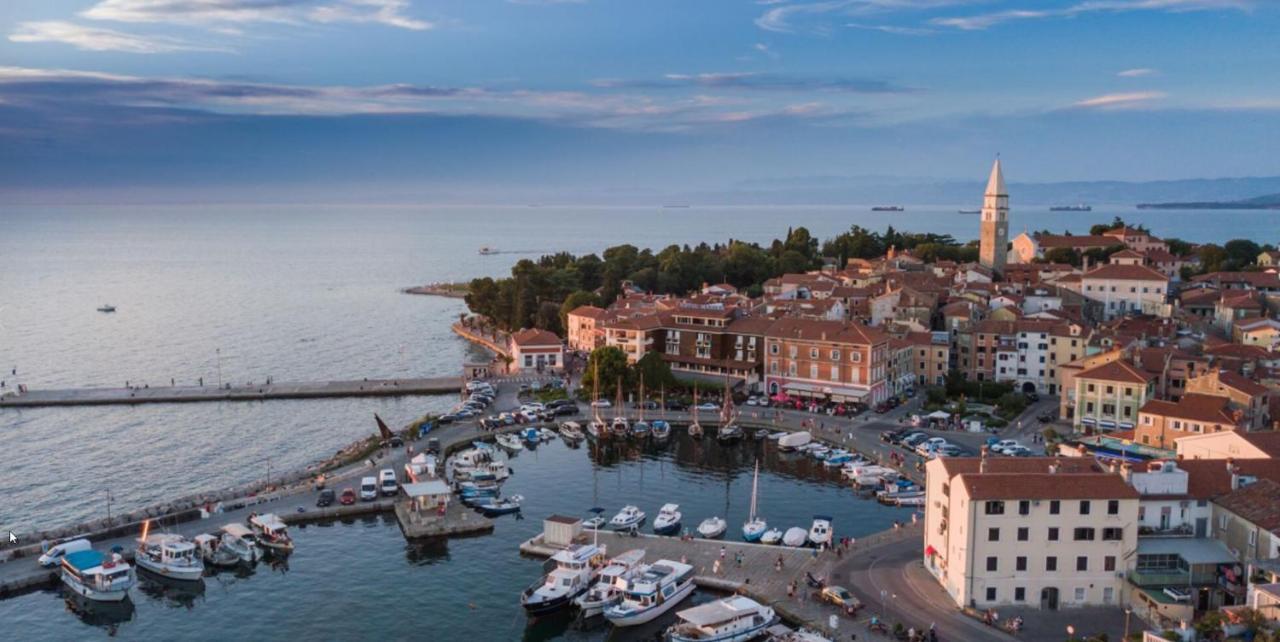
pixel 450 290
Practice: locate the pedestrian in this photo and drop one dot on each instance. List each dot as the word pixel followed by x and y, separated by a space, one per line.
pixel 791 589
pixel 722 551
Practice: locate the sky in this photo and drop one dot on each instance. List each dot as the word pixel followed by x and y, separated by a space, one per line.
pixel 634 99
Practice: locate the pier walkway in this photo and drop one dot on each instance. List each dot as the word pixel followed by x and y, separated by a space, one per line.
pixel 228 392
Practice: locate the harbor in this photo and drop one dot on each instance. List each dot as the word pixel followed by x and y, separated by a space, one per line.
pixel 265 391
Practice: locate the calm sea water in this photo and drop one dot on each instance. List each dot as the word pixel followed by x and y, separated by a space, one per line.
pixel 240 293
pixel 362 580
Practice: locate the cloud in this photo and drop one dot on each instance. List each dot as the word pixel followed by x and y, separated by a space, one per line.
pixel 986 20
pixel 781 17
pixel 752 81
pixel 896 30
pixel 1120 101
pixel 96 39
pixel 220 12
pixel 1137 73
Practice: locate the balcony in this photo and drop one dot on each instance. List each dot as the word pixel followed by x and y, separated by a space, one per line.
pixel 1156 578
pixel 1182 530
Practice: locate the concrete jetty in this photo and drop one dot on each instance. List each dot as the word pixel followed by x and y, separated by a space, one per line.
pixel 266 391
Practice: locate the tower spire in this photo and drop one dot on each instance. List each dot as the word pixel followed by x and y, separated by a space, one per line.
pixel 995 184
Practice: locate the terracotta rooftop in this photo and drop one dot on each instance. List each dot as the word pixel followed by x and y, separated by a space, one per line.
pixel 1196 407
pixel 970 465
pixel 1258 502
pixel 1050 241
pixel 982 486
pixel 589 311
pixel 1209 478
pixel 535 337
pixel 1125 273
pixel 1116 371
pixel 828 331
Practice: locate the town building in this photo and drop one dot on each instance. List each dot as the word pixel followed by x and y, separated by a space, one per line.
pixel 994 241
pixel 1108 397
pixel 584 331
pixel 827 360
pixel 1161 422
pixel 534 349
pixel 1126 289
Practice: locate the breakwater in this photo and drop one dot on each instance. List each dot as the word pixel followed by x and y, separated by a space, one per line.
pixel 228 392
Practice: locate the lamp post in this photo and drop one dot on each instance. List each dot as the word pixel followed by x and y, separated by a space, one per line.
pixel 1127 612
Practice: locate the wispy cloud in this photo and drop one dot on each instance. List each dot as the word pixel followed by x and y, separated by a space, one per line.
pixel 98 39
pixel 221 12
pixel 1137 73
pixel 783 17
pixel 753 81
pixel 987 20
pixel 1120 101
pixel 893 29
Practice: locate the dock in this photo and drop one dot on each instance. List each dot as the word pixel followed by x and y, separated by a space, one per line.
pixel 757 577
pixel 228 392
pixel 458 521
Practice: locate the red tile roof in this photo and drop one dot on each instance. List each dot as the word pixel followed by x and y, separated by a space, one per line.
pixel 589 311
pixel 1050 241
pixel 1125 273
pixel 1259 503
pixel 1196 407
pixel 1059 485
pixel 828 331
pixel 1117 371
pixel 534 337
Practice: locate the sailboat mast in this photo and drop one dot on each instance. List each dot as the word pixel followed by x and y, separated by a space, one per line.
pixel 755 486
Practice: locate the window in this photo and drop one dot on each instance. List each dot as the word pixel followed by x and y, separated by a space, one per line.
pixel 1084 507
pixel 1083 534
pixel 835 372
pixel 1054 506
pixel 1020 594
pixel 813 371
pixel 1053 533
pixel 1113 505
pixel 1112 534
pixel 1109 563
pixel 835 355
pixel 1253 537
pixel 993 534
pixel 991 593
pixel 991 563
pixel 1024 533
pixel 994 508
pixel 1051 563
pixel 773 348
pixel 813 353
pixel 1080 594
pixel 1021 563
pixel 1082 563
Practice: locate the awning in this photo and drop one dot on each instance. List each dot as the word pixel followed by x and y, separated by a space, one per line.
pixel 939 414
pixel 930 550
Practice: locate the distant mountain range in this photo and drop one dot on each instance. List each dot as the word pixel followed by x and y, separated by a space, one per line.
pixel 1268 202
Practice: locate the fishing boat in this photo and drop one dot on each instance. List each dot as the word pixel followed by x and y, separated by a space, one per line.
pixel 794 441
pixel 733 619
pixel 795 537
pixel 107 307
pixel 487 251
pixel 654 591
pixel 496 507
pixel 661 430
pixel 755 525
pixel 571 431
pixel 820 531
pixel 596 522
pixel 667 522
pixel 571 577
pixel 628 517
pixel 271 532
pixel 240 540
pixel 771 536
pixel 168 555
pixel 610 584
pixel 96 577
pixel 510 442
pixel 712 528
pixel 213 552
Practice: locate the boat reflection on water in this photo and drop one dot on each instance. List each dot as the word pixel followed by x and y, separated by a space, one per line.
pixel 105 615
pixel 427 551
pixel 168 591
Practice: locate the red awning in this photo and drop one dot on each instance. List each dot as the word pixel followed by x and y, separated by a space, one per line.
pixel 930 550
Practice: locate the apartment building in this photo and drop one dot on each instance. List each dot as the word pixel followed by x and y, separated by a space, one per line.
pixel 1108 397
pixel 1126 289
pixel 1161 422
pixel 828 360
pixel 584 331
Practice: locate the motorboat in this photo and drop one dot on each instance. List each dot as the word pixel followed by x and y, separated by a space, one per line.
pixel 729 433
pixel 733 619
pixel 572 576
pixel 272 533
pixel 107 307
pixel 661 429
pixel 238 539
pixel 667 522
pixel 487 251
pixel 168 555
pixel 96 577
pixel 213 552
pixel 495 507
pixel 695 430
pixel 510 442
pixel 794 441
pixel 820 531
pixel 775 436
pixel 771 536
pixel 795 537
pixel 547 434
pixel 531 436
pixel 628 517
pixel 611 582
pixel 712 528
pixel 596 522
pixel 818 451
pixel 598 429
pixel 571 431
pixel 760 434
pixel 836 458
pixel 654 591
pixel 641 428
pixel 620 426
pixel 755 526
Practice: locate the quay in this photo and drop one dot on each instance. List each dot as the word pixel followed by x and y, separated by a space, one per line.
pixel 757 576
pixel 229 392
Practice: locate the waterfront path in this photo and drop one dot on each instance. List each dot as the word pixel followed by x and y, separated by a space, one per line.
pixel 228 392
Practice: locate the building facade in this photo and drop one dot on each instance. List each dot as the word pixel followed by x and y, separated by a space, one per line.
pixel 994 241
pixel 827 360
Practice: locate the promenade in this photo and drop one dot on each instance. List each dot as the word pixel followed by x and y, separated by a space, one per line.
pixel 229 392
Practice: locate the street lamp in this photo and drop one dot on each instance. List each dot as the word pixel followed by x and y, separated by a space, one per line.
pixel 1127 612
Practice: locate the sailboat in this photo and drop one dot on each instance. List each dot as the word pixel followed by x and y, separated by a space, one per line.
pixel 597 428
pixel 640 428
pixel 695 428
pixel 620 426
pixel 755 526
pixel 661 429
pixel 729 431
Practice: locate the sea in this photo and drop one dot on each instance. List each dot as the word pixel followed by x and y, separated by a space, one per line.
pixel 239 293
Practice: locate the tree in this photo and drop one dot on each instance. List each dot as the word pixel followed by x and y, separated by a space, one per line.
pixel 1241 252
pixel 548 318
pixel 1063 255
pixel 610 365
pixel 654 371
pixel 1178 247
pixel 1212 258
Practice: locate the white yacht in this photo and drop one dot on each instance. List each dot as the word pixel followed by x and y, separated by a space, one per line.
pixel 510 442
pixel 712 527
pixel 610 584
pixel 733 619
pixel 627 517
pixel 668 520
pixel 169 555
pixel 573 574
pixel 94 576
pixel 271 533
pixel 240 540
pixel 794 441
pixel 654 591
pixel 820 531
pixel 795 537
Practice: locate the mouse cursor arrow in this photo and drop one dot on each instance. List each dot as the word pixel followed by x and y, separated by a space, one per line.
pixel 13 539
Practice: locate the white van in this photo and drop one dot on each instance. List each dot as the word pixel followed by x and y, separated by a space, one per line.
pixel 368 489
pixel 387 482
pixel 55 553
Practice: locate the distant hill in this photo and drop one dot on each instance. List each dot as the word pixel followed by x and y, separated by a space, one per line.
pixel 1268 202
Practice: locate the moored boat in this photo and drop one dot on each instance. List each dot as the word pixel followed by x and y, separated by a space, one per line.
pixel 272 533
pixel 661 429
pixel 571 431
pixel 794 441
pixel 611 582
pixel 712 528
pixel 628 517
pixel 667 522
pixel 168 555
pixel 795 537
pixel 732 619
pixel 820 531
pixel 213 552
pixel 654 591
pixel 495 507
pixel 771 536
pixel 510 442
pixel 755 525
pixel 97 577
pixel 729 433
pixel 240 540
pixel 107 307
pixel 571 577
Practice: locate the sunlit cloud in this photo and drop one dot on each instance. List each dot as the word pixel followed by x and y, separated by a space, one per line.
pixel 1136 73
pixel 97 39
pixel 982 21
pixel 784 17
pixel 220 12
pixel 1120 101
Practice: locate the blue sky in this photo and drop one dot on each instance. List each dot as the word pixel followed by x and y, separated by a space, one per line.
pixel 413 97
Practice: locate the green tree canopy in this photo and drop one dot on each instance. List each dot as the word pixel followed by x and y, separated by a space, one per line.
pixel 609 364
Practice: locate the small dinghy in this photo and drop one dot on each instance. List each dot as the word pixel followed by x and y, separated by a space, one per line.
pixel 496 507
pixel 795 537
pixel 712 528
pixel 596 521
pixel 771 536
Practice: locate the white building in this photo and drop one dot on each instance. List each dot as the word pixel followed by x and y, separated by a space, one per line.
pixel 533 349
pixel 1126 289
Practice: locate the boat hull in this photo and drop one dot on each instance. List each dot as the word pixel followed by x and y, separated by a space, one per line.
pixel 736 636
pixel 110 595
pixel 633 618
pixel 544 607
pixel 183 573
pixel 666 529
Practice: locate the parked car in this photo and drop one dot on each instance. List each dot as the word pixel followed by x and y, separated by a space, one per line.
pixel 433 445
pixel 348 497
pixel 1046 418
pixel 1000 446
pixel 1018 451
pixel 387 482
pixel 949 450
pixel 914 438
pixel 447 418
pixel 840 596
pixel 55 553
pixel 368 489
pixel 601 403
pixel 928 445
pixel 678 406
pixel 568 409
pixel 892 436
pixel 326 498
pixel 708 406
pixel 1033 397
